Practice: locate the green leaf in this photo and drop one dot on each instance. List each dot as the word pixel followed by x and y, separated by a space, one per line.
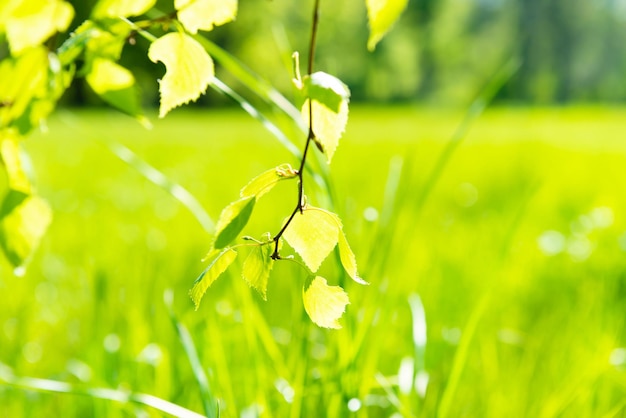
pixel 328 125
pixel 121 8
pixel 22 80
pixel 205 14
pixel 257 267
pixel 212 253
pixel 23 227
pixel 330 99
pixel 105 39
pixel 232 220
pixel 115 85
pixel 326 89
pixel 210 274
pixel 73 46
pixel 30 22
pixel 348 260
pixel 264 182
pixel 382 14
pixel 189 69
pixel 323 303
pixel 313 234
pixel 10 159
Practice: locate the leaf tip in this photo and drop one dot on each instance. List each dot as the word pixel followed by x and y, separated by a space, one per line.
pixel 360 280
pixel 193 295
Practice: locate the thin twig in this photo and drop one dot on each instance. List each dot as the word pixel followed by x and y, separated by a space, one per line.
pixel 310 137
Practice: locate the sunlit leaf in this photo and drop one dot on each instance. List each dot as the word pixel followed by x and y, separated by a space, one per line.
pixel 22 80
pixel 330 99
pixel 75 44
pixel 257 267
pixel 6 7
pixel 328 125
pixel 189 69
pixel 313 234
pixel 105 39
pixel 115 85
pixel 232 220
pixel 23 227
pixel 31 22
pixel 12 163
pixel 210 274
pixel 30 86
pixel 382 14
pixel 205 14
pixel 326 89
pixel 107 76
pixel 323 303
pixel 124 8
pixel 264 182
pixel 211 254
pixel 348 260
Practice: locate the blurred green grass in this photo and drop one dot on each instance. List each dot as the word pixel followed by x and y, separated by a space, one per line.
pixel 517 255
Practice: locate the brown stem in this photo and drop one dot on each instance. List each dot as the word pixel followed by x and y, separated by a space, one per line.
pixel 310 137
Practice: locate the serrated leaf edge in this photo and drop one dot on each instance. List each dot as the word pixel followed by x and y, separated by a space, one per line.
pixel 199 281
pixel 342 236
pixel 271 266
pixel 334 323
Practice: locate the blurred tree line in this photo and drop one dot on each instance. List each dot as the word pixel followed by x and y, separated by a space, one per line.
pixel 441 51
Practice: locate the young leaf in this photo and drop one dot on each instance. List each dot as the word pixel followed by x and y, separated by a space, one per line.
pixel 189 69
pixel 115 85
pixel 326 89
pixel 30 23
pixel 328 125
pixel 210 274
pixel 330 109
pixel 121 8
pixel 313 234
pixel 22 80
pixel 264 182
pixel 105 39
pixel 23 227
pixel 204 14
pixel 323 303
pixel 257 267
pixel 232 220
pixel 10 159
pixel 382 14
pixel 212 253
pixel 348 260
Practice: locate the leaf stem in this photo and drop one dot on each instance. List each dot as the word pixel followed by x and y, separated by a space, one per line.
pixel 310 137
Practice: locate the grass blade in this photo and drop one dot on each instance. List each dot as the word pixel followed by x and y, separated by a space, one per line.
pixel 221 87
pixel 321 177
pixel 177 191
pixel 252 81
pixel 418 315
pixel 55 386
pixel 210 404
pixel 460 358
pixel 392 397
pixel 476 109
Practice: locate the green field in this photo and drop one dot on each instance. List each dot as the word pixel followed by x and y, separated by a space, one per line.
pixel 497 284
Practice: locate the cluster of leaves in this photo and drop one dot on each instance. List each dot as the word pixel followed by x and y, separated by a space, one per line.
pixel 312 232
pixel 35 75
